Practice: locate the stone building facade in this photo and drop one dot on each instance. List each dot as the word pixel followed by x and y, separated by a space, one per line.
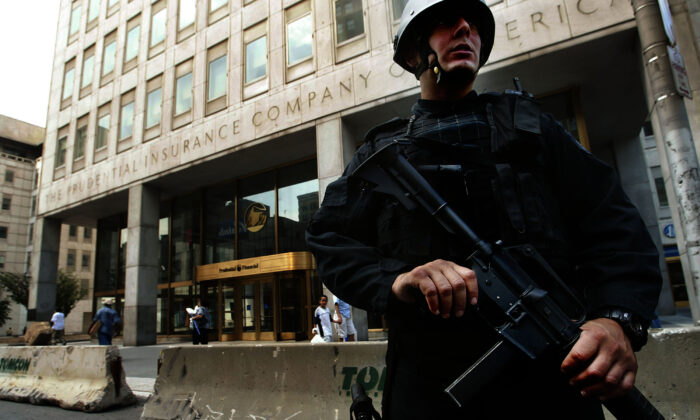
pixel 198 135
pixel 20 151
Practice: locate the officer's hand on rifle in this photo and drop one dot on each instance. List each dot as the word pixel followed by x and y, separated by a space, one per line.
pixel 446 286
pixel 601 363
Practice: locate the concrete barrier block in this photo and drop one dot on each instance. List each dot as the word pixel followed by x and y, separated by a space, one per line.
pixel 87 378
pixel 268 381
pixel 38 334
pixel 669 371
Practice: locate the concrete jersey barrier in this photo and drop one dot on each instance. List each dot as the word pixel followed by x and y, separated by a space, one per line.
pixel 302 381
pixel 265 382
pixel 87 378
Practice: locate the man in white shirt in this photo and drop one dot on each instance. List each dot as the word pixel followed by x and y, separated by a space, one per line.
pixel 323 316
pixel 346 328
pixel 58 324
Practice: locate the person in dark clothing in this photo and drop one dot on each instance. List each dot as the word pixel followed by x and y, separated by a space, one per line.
pixel 202 323
pixel 108 318
pixel 527 182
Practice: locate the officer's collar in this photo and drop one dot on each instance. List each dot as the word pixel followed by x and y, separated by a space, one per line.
pixel 468 103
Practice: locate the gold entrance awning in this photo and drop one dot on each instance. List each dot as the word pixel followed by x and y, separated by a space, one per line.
pixel 259 265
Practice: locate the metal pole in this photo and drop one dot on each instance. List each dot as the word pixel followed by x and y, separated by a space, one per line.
pixel 677 140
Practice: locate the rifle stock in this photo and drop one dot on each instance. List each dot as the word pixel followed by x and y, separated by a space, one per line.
pixel 537 319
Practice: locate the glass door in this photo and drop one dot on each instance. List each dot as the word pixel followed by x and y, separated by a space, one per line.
pixel 257 308
pixel 228 330
pixel 291 286
pixel 249 308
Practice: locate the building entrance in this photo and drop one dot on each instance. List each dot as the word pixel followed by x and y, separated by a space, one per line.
pixel 267 298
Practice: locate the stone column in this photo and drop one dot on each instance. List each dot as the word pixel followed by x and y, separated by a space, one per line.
pixel 42 289
pixel 142 254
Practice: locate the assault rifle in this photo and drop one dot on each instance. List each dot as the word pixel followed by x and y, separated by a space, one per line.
pixel 538 313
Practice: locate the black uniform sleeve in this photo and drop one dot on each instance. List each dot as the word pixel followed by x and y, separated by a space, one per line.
pixel 342 234
pixel 614 256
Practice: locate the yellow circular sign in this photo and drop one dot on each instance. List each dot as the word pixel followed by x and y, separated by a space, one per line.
pixel 255 217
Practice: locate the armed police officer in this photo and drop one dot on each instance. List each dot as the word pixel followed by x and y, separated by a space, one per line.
pixel 523 179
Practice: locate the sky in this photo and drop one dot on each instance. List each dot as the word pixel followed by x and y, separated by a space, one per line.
pixel 27 41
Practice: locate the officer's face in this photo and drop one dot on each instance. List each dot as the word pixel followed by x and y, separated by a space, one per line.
pixel 456 42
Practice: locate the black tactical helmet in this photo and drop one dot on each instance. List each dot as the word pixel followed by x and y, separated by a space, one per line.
pixel 417 11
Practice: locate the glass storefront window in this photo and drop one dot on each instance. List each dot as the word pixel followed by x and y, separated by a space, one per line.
pixel 185 237
pixel 248 307
pixel 348 19
pixel 163 235
pixel 298 201
pixel 229 308
pixel 299 40
pixel 256 216
pixel 106 260
pixel 182 299
pixel 123 237
pixel 220 224
pixel 266 307
pixel 256 59
pixel 162 312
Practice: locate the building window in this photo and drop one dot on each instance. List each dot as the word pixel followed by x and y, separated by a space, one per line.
pixel 299 40
pixel 131 48
pixel 3 232
pixel 87 234
pixel 154 100
pixel 74 22
pixel 183 94
pixel 61 151
pixel 85 261
pixel 102 129
pixel 349 29
pixel 88 70
pixel 109 57
pixel 255 47
pixel 186 15
pixel 126 116
pixel 79 143
pixel 217 79
pixel 68 79
pixel 2 261
pixel 32 210
pixel 93 13
pixel 217 10
pixel 159 20
pixel 70 260
pixel 9 176
pixel 349 21
pixel 660 186
pixel 112 7
pixel 6 203
pixel 72 232
pixel 397 8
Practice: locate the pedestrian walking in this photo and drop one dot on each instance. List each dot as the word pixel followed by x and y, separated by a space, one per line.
pixel 108 318
pixel 346 328
pixel 58 326
pixel 201 323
